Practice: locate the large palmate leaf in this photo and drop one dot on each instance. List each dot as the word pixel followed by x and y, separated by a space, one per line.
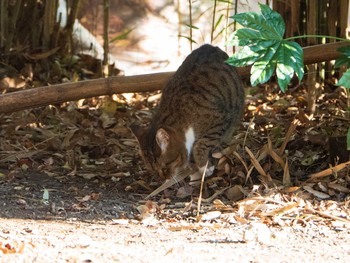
pixel 263 46
pixel 345 80
pixel 344 59
pixel 269 24
pixel 290 60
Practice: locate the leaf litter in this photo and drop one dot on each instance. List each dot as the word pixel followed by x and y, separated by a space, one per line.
pixel 79 160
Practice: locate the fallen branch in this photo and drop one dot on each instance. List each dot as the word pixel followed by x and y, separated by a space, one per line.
pixel 329 171
pixel 43 96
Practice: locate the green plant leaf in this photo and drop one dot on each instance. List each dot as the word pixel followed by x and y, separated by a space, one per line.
pixel 344 59
pixel 265 48
pixel 245 56
pixel 225 1
pixel 121 36
pixel 192 26
pixel 219 33
pixel 274 19
pixel 345 80
pixel 345 50
pixel 188 38
pixel 218 22
pixel 269 24
pixel 244 37
pixel 296 56
pixel 288 63
pixel 264 66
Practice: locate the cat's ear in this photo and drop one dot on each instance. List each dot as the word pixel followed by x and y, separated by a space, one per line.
pixel 163 138
pixel 137 130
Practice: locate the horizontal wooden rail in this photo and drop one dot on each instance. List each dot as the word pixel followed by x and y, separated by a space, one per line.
pixel 43 96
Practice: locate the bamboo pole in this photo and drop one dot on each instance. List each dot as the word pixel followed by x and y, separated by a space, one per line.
pixel 43 96
pixel 311 76
pixel 105 38
pixel 295 16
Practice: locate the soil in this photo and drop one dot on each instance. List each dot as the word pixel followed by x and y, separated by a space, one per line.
pixel 75 241
pixel 74 225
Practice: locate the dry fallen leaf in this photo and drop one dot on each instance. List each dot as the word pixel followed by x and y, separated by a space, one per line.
pixel 12 247
pixel 282 210
pixel 316 193
pixel 211 215
pixel 234 193
pixel 339 187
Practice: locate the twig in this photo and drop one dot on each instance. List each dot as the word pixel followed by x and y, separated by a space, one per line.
pixel 201 190
pixel 329 171
pixel 289 134
pixel 328 216
pixel 247 132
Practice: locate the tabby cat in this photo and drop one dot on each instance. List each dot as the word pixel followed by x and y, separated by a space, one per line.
pixel 199 109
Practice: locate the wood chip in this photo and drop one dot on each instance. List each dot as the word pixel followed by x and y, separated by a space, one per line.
pixel 316 193
pixel 211 215
pixel 339 187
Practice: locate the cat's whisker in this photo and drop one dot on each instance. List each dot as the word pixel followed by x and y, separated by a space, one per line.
pixel 178 177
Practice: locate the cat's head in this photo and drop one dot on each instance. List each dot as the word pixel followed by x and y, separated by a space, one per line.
pixel 163 150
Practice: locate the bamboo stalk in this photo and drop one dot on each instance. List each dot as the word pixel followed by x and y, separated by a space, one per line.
pixel 105 37
pixel 344 9
pixel 295 13
pixel 311 76
pixel 12 25
pixel 70 24
pixel 3 21
pixel 213 24
pixel 190 16
pixel 333 21
pixel 36 25
pixel 49 21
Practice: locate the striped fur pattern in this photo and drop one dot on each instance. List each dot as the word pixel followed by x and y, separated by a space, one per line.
pixel 199 109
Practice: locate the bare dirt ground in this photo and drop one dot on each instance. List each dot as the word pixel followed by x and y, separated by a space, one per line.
pixel 74 241
pixel 74 225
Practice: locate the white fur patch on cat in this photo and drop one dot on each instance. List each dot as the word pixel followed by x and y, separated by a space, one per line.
pixel 189 136
pixel 197 176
